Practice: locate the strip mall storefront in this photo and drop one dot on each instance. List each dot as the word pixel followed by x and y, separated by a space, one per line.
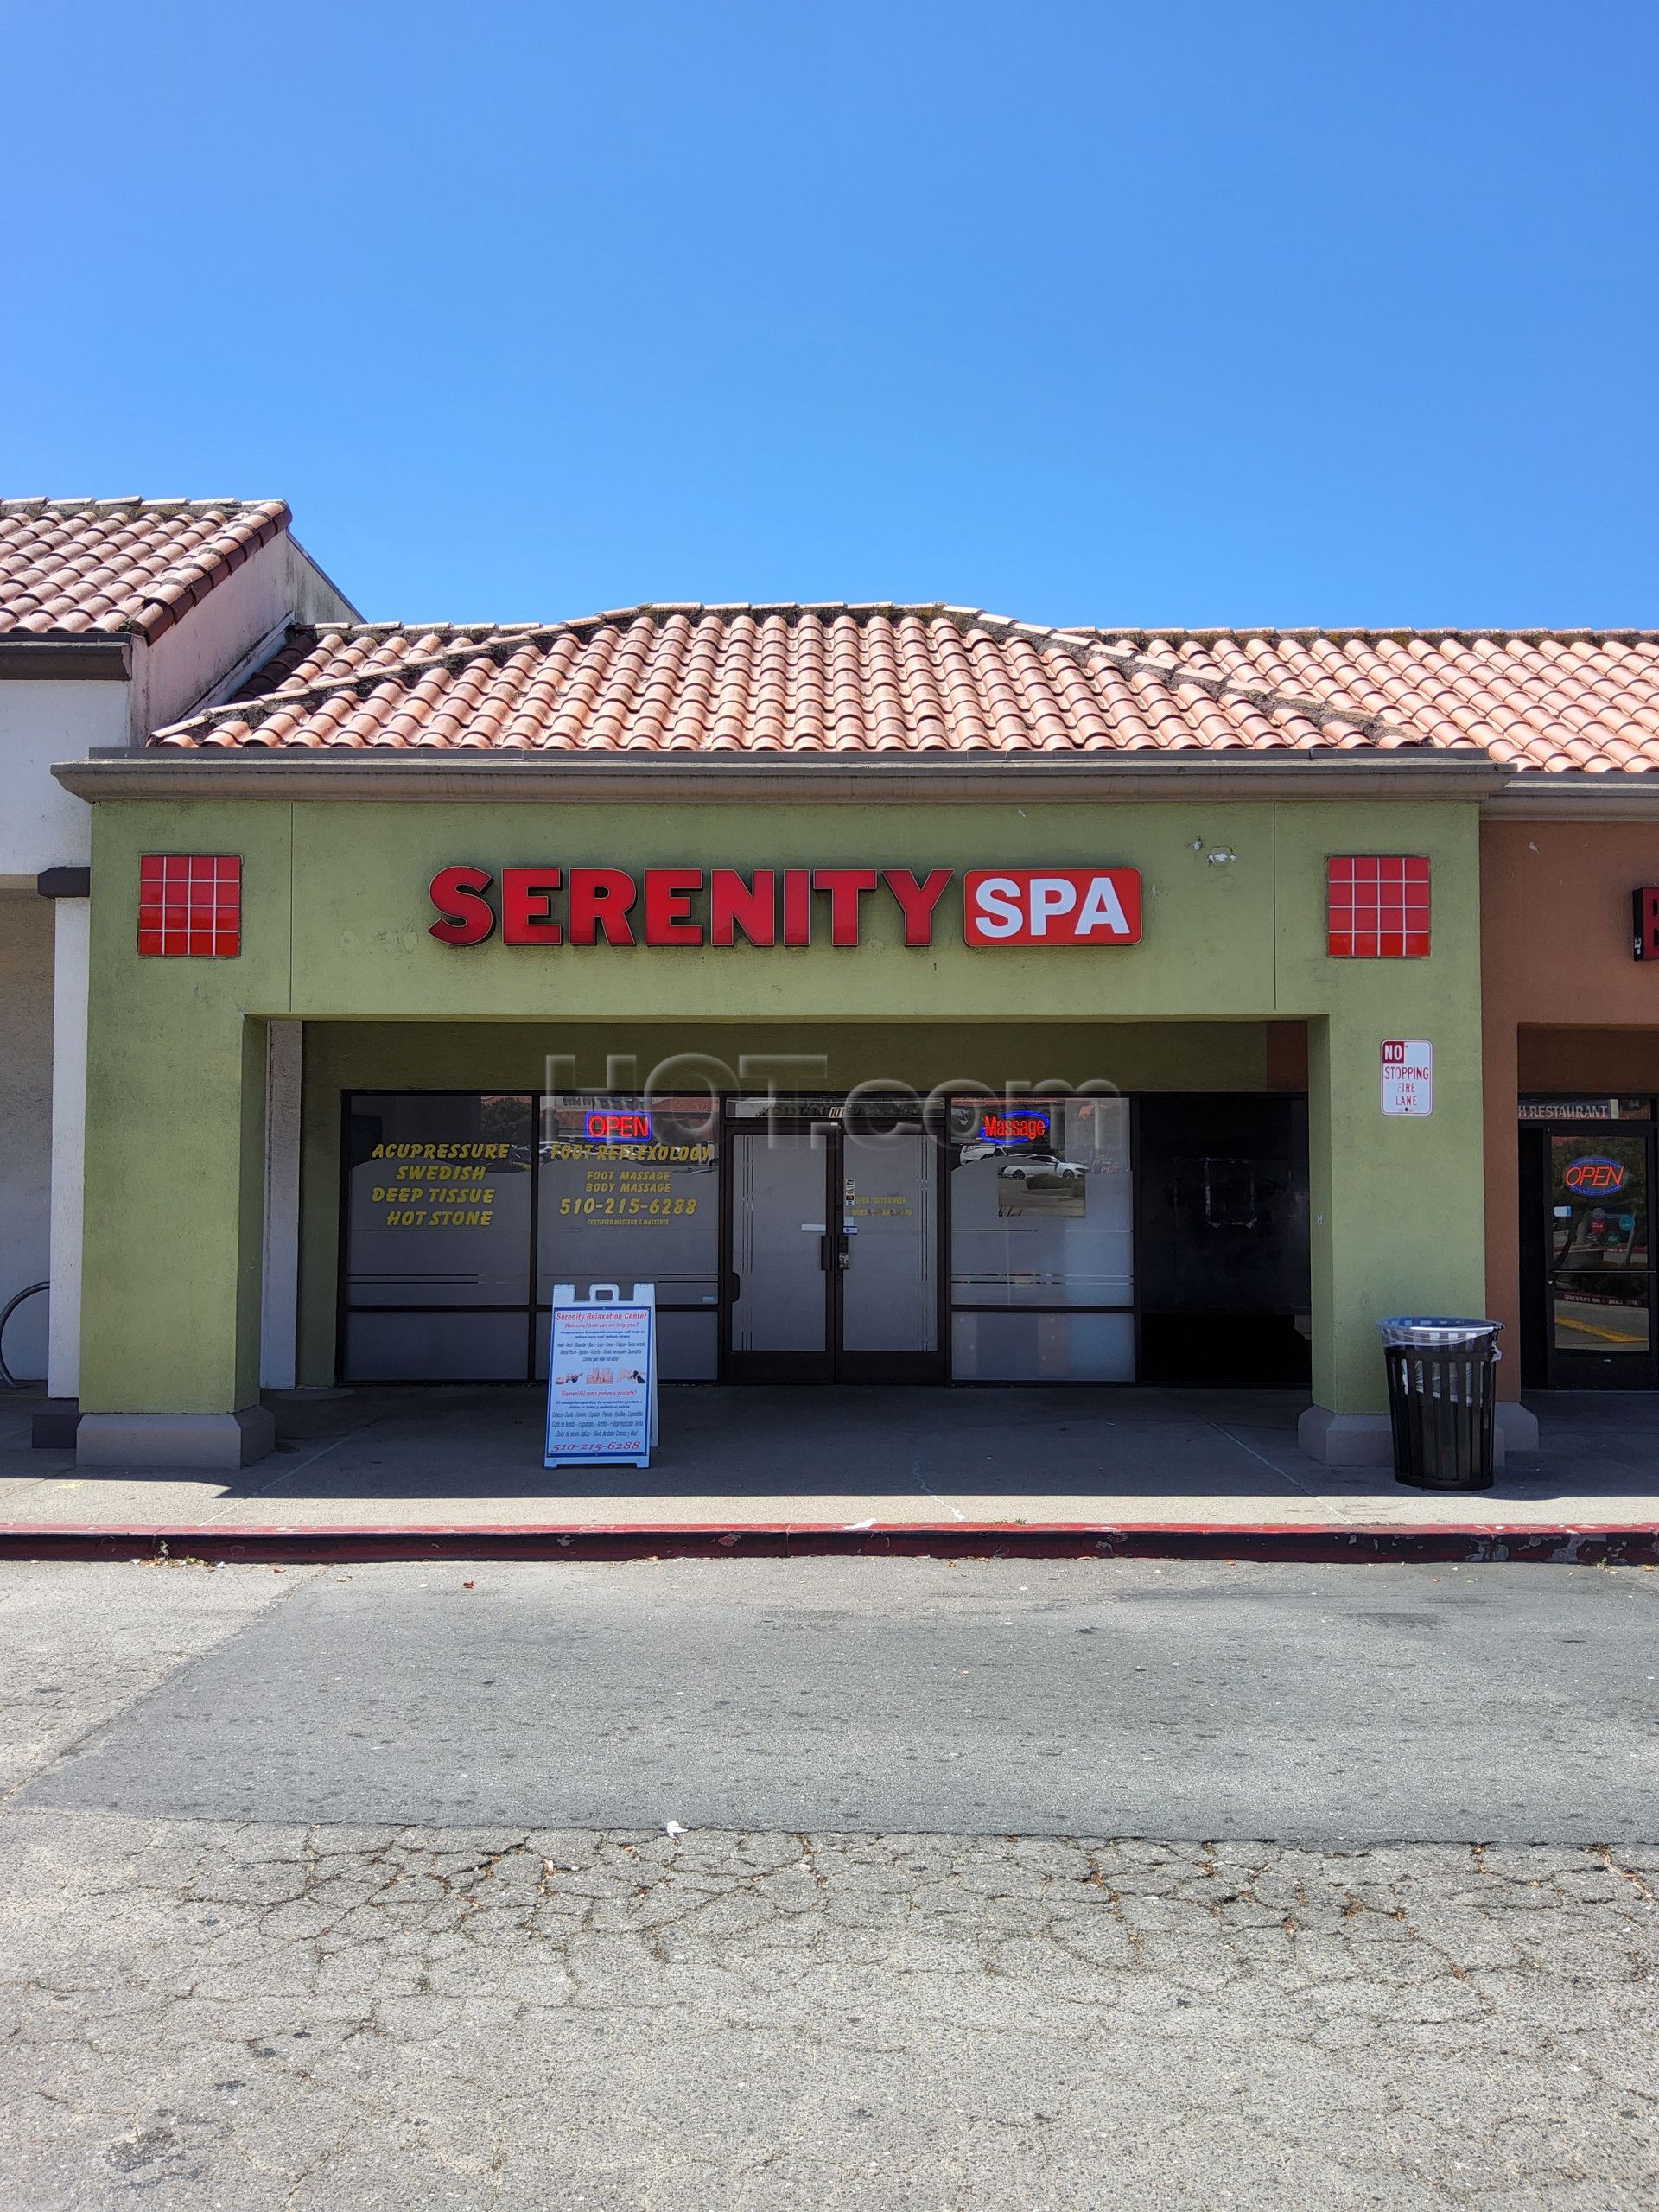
pixel 1073 1076
pixel 1571 1011
pixel 1015 1220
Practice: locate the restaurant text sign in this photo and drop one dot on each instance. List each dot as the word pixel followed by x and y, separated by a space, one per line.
pixel 788 906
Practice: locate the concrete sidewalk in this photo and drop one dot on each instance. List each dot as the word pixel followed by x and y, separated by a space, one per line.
pixel 375 1464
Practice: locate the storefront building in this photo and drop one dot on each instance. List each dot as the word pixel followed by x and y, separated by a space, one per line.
pixel 1570 976
pixel 117 617
pixel 910 995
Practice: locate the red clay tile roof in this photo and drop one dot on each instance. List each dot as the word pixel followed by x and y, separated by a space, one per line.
pixel 899 680
pixel 98 567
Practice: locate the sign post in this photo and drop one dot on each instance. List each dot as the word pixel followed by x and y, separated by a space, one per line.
pixel 1408 1076
pixel 601 1377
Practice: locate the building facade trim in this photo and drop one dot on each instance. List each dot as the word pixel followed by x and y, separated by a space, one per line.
pixel 301 771
pixel 72 659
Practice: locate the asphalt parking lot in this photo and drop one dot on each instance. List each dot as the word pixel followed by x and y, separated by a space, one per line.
pixel 255 1948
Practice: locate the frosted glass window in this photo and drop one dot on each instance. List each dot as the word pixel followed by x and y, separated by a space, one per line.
pixel 1042 1347
pixel 423 1346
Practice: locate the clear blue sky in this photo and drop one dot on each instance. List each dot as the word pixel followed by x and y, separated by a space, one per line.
pixel 1141 315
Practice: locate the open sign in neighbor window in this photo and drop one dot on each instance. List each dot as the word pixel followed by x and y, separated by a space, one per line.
pixel 1601 1263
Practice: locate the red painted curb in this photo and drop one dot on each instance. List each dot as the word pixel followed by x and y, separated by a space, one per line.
pixel 1633 1544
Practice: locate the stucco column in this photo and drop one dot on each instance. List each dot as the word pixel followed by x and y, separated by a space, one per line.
pixel 175 1205
pixel 1397 1219
pixel 71 935
pixel 280 1298
pixel 1523 956
pixel 175 1139
pixel 1517 1424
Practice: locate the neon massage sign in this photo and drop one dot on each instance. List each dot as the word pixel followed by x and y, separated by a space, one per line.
pixel 787 906
pixel 1595 1176
pixel 1025 1125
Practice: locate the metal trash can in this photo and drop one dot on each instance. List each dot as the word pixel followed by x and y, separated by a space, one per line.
pixel 1442 1399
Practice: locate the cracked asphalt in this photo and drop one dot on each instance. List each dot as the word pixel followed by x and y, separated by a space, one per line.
pixel 217 2009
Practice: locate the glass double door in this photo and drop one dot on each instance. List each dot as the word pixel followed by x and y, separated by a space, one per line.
pixel 834 1247
pixel 1598 1259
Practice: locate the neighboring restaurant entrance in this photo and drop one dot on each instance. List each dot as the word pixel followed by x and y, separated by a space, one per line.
pixel 1587 1260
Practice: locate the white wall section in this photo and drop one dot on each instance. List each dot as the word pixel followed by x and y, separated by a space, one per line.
pixel 71 938
pixel 25 1119
pixel 41 826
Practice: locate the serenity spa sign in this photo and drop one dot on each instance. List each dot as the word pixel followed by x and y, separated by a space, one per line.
pixel 789 906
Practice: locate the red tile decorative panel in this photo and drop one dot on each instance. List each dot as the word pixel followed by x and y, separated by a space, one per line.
pixel 190 904
pixel 1376 907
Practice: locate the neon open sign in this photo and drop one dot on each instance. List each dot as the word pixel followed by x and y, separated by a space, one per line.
pixel 1594 1176
pixel 599 1128
pixel 1027 1127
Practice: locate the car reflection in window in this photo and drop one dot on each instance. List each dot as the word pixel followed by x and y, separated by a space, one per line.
pixel 1026 1165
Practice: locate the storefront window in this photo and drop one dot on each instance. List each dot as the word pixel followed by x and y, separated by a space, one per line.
pixel 449 1195
pixel 630 1192
pixel 1042 1265
pixel 436 1236
pixel 870 1237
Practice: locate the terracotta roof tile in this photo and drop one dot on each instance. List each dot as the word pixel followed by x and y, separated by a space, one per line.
pixel 106 567
pixel 934 680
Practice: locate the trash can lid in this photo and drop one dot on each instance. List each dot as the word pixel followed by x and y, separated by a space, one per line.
pixel 1435 1329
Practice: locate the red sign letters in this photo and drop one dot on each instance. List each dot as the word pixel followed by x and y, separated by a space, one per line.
pixel 1031 1127
pixel 790 906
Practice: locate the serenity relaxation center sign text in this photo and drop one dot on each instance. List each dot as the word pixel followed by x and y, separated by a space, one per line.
pixel 788 906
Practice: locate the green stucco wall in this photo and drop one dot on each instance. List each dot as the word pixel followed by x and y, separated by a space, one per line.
pixel 335 933
pixel 175 1126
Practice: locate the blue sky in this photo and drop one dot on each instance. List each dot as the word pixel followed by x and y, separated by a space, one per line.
pixel 1203 313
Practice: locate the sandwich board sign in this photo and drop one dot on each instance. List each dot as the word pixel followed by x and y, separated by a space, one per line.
pixel 601 1377
pixel 1408 1076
